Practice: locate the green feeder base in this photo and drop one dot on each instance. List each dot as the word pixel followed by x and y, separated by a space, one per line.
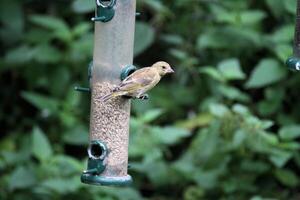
pixel 106 181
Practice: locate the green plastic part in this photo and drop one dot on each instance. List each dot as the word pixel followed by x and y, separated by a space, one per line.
pixel 126 71
pixel 293 63
pixel 97 153
pixel 106 181
pixel 90 70
pixel 96 165
pixel 82 89
pixel 104 13
pixel 97 150
pixel 86 89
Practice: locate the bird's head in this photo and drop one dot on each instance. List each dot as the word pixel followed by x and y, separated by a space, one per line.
pixel 163 68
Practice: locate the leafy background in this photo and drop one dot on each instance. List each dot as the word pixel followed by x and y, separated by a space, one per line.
pixel 225 126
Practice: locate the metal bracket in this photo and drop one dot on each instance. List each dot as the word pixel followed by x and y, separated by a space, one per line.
pixel 82 89
pixel 104 13
pixel 86 89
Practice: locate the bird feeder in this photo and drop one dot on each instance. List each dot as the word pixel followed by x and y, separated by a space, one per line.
pixel 293 62
pixel 109 121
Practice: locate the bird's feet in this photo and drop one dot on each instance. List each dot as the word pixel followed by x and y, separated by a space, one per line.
pixel 143 97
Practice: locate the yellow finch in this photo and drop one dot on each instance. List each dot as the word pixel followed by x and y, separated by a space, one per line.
pixel 140 81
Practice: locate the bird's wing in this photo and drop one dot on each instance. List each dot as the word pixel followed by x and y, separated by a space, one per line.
pixel 139 79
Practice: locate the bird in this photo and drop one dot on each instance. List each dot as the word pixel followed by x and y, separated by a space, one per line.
pixel 140 81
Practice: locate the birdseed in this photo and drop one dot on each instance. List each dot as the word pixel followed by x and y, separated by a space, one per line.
pixel 110 124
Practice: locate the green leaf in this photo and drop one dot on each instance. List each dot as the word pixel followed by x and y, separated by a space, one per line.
pixel 11 10
pixel 159 176
pixel 256 197
pixel 178 54
pixel 211 39
pixel 206 142
pixel 213 73
pixel 231 69
pixel 62 186
pixel 290 145
pixel 83 6
pixel 143 37
pixel 276 6
pixel 81 29
pixel 47 54
pixel 273 101
pixel 19 55
pixel 283 34
pixel 169 135
pixel 283 51
pixel 22 178
pixel 206 179
pixel 241 109
pixel 12 21
pixel 173 39
pixel 41 147
pixel 121 193
pixel 223 15
pixel 256 166
pixel 268 71
pixel 279 157
pixel 290 6
pixel 201 119
pixel 60 28
pixel 44 103
pixel 239 138
pixel 269 138
pixel 233 93
pixel 251 17
pixel 287 177
pixel 218 110
pixel 76 136
pixel 49 22
pixel 289 132
pixel 158 6
pixel 65 165
pixel 193 193
pixel 59 79
pixel 229 38
pixel 151 115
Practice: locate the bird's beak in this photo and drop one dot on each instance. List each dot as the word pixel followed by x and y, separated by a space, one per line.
pixel 171 70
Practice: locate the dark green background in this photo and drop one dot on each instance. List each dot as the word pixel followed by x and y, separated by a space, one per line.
pixel 225 126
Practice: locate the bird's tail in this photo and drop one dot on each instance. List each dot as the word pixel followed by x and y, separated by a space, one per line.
pixel 107 97
pixel 111 95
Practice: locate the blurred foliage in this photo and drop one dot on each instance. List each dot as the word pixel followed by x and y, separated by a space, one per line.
pixel 225 126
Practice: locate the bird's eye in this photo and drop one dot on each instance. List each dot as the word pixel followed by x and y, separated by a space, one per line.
pixel 164 67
